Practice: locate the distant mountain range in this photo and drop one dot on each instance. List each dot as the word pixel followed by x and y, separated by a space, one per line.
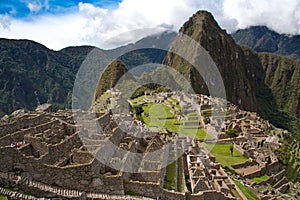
pixel 262 39
pixel 267 83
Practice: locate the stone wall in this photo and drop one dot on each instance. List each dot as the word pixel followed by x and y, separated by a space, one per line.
pixel 226 140
pixel 191 123
pixel 81 157
pixel 256 173
pixel 104 120
pixel 144 189
pixel 8 139
pixel 151 176
pixel 273 168
pixel 243 165
pixel 37 144
pixel 18 135
pixel 22 122
pixel 169 195
pixel 117 136
pixel 27 150
pixel 209 195
pixel 52 192
pixel 79 177
pixel 153 191
pixel 60 150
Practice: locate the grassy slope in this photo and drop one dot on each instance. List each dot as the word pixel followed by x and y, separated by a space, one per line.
pixel 161 116
pixel 170 177
pixel 260 179
pixel 246 191
pixel 223 155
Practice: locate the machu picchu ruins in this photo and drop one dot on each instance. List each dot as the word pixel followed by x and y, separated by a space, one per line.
pixel 106 153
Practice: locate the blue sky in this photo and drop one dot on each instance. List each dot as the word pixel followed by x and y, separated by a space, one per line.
pixel 19 8
pixel 110 23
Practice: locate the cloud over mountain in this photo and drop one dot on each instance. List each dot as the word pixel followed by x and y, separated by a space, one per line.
pixel 87 23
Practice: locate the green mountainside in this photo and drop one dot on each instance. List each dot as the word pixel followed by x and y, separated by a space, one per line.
pixel 262 39
pixel 110 77
pixel 30 73
pixel 282 75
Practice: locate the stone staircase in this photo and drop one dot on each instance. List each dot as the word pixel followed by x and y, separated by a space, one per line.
pixel 59 192
pixel 17 195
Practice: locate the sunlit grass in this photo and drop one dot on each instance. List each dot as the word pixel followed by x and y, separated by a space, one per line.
pixel 260 179
pixel 160 116
pixel 250 195
pixel 223 154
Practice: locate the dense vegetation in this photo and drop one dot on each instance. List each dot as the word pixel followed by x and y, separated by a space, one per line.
pixel 31 74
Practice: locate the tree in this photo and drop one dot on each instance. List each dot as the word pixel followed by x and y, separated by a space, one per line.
pixel 231 133
pixel 206 120
pixel 138 112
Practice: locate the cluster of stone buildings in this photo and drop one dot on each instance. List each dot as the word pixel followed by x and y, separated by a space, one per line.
pixel 80 154
pixel 206 174
pixel 87 155
pixel 257 138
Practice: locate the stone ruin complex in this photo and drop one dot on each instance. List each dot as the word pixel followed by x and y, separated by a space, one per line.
pixel 63 159
pixel 110 155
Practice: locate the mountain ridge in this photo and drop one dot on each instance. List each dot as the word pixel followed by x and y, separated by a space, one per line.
pixel 30 73
pixel 263 39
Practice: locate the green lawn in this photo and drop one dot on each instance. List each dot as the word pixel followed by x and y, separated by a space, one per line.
pixel 170 182
pixel 3 198
pixel 198 133
pixel 250 195
pixel 223 154
pixel 160 116
pixel 260 179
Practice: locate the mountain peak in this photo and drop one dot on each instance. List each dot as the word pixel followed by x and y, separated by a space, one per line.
pixel 201 22
pixel 240 67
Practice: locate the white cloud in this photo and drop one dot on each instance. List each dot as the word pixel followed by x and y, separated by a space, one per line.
pixel 5 21
pixel 157 15
pixel 34 6
pixel 281 16
pixel 55 32
pixel 106 28
pixel 90 10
